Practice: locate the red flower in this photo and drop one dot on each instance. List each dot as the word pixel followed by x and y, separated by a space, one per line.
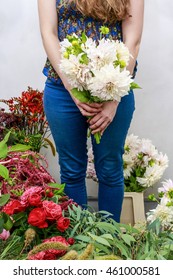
pixel 71 241
pixel 63 224
pixel 43 255
pixel 52 210
pixel 60 239
pixel 35 199
pixel 64 205
pixel 13 207
pixel 51 254
pixel 37 218
pixel 49 192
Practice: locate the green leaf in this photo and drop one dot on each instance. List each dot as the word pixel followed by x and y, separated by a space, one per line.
pixel 83 238
pixel 6 137
pixel 19 218
pixel 19 148
pixel 134 86
pixel 58 188
pixel 102 248
pixel 107 236
pixel 1 225
pixel 123 249
pixel 4 198
pixel 99 239
pixel 128 238
pixel 84 37
pixel 107 226
pixel 83 96
pixel 74 230
pixel 3 150
pixel 4 173
pixel 78 216
pixel 155 226
pixel 7 221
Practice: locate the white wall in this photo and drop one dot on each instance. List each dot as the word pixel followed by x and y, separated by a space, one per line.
pixel 22 58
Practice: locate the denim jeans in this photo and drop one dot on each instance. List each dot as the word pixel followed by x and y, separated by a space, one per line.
pixel 69 131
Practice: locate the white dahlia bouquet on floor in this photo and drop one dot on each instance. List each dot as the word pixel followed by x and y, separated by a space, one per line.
pixel 96 71
pixel 143 164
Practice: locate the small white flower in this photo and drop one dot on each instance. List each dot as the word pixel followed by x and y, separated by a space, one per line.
pixel 78 74
pixel 151 176
pixel 123 52
pixel 64 45
pixel 162 160
pixel 167 186
pixel 101 55
pixel 163 213
pixel 148 148
pixel 133 142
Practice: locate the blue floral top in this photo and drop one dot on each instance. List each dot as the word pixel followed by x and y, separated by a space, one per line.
pixel 72 21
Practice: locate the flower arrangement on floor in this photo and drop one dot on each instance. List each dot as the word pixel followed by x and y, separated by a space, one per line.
pixel 39 222
pixel 26 120
pixel 163 213
pixel 97 71
pixel 144 165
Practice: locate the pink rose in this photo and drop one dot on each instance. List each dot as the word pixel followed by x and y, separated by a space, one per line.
pixel 4 234
pixel 52 210
pixel 30 192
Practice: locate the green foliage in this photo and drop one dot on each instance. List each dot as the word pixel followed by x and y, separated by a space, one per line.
pixel 4 199
pixel 111 238
pixel 134 86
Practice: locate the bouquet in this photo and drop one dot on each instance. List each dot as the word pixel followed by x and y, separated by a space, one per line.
pixel 143 164
pixel 26 120
pixel 98 71
pixel 38 215
pixel 164 210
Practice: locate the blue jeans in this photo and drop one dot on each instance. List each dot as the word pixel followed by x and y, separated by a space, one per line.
pixel 69 131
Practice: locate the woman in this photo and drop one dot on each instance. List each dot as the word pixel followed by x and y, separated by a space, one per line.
pixel 67 116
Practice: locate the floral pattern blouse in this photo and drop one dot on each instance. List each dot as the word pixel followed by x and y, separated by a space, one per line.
pixel 72 21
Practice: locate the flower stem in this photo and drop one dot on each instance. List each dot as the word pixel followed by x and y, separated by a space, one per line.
pixel 97 137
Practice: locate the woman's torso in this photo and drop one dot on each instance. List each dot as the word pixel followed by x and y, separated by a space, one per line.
pixel 72 21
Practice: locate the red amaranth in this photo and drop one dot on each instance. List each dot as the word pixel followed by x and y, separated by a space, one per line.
pixel 25 171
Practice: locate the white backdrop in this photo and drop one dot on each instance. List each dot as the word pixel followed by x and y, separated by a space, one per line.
pixel 22 58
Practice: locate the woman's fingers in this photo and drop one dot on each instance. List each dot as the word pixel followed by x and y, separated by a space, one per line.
pixel 99 123
pixel 85 113
pixel 87 108
pixel 100 128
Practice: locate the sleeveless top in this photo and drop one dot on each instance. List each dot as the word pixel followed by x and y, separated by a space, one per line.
pixel 72 21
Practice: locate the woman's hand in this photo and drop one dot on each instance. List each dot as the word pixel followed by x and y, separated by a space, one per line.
pixel 86 109
pixel 100 122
